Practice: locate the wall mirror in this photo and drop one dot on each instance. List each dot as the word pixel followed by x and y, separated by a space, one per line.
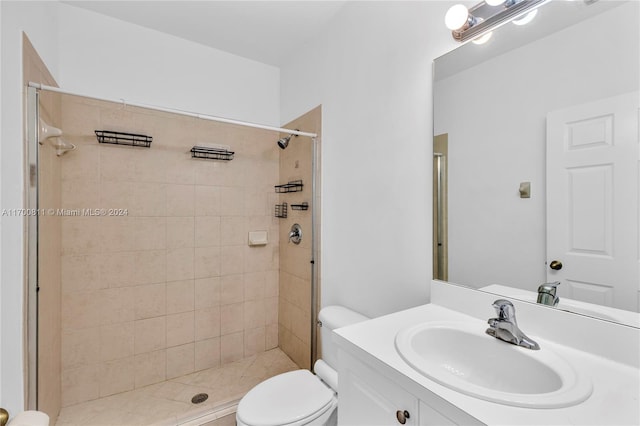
pixel 536 159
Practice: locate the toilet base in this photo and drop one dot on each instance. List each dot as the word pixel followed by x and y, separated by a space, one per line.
pixel 328 418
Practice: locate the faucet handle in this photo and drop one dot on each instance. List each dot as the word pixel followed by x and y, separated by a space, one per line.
pixel 505 310
pixel 547 293
pixel 549 288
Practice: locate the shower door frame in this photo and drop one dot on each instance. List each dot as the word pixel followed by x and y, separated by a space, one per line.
pixel 315 289
pixel 31 252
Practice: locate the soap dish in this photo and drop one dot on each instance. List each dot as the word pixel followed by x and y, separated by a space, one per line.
pixel 258 238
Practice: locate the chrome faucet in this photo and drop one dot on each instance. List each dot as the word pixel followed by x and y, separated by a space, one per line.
pixel 506 328
pixel 547 293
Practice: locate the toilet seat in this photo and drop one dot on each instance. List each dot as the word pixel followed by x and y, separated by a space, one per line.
pixel 292 398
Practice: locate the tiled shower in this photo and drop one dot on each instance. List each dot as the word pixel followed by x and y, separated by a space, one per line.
pixel 157 279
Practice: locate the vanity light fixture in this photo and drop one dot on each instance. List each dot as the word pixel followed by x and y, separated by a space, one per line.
pixel 468 24
pixel 526 18
pixel 459 18
pixel 483 38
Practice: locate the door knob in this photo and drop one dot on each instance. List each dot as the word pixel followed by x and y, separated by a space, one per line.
pixel 402 416
pixel 556 265
pixel 4 417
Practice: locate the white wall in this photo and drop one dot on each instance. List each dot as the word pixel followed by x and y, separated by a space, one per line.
pixel 107 57
pixel 97 55
pixel 39 20
pixel 371 71
pixel 488 222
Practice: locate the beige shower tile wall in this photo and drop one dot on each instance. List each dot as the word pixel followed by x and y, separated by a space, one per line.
pixel 294 320
pixel 166 284
pixel 49 336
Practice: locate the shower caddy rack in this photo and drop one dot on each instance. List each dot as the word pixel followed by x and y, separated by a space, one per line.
pixel 211 153
pixel 301 206
pixel 281 210
pixel 122 138
pixel 292 186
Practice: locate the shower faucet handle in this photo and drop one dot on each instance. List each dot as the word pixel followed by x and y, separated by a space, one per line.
pixel 295 235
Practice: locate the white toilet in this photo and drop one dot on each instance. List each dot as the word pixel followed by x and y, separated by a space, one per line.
pixel 299 397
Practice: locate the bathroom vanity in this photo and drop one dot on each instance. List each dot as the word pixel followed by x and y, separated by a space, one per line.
pixel 594 380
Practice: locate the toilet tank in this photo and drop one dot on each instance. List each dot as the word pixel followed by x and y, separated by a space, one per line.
pixel 332 318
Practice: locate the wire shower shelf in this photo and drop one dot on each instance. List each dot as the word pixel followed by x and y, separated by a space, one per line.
pixel 211 153
pixel 293 186
pixel 281 210
pixel 122 138
pixel 302 206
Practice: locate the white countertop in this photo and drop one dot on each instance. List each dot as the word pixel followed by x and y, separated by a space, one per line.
pixel 616 386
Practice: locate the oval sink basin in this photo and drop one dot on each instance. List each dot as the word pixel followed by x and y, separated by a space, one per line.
pixel 462 357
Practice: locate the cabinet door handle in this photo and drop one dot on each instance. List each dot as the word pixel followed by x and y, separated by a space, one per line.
pixel 402 416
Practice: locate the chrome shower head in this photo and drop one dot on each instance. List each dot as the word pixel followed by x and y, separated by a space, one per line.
pixel 284 142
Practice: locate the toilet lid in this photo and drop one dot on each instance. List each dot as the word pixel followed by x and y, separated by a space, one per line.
pixel 283 399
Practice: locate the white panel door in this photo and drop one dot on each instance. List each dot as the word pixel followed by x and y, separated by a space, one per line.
pixel 592 201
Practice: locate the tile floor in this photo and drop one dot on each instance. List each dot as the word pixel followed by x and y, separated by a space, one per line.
pixel 169 403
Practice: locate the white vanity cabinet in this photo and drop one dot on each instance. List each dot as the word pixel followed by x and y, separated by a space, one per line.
pixel 368 398
pixel 429 416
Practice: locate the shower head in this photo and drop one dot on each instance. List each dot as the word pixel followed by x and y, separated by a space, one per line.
pixel 284 142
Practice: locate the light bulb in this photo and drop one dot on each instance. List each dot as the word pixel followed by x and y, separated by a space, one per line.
pixel 494 2
pixel 526 18
pixel 457 16
pixel 483 38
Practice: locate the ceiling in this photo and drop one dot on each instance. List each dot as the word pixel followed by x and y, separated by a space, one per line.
pixel 265 31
